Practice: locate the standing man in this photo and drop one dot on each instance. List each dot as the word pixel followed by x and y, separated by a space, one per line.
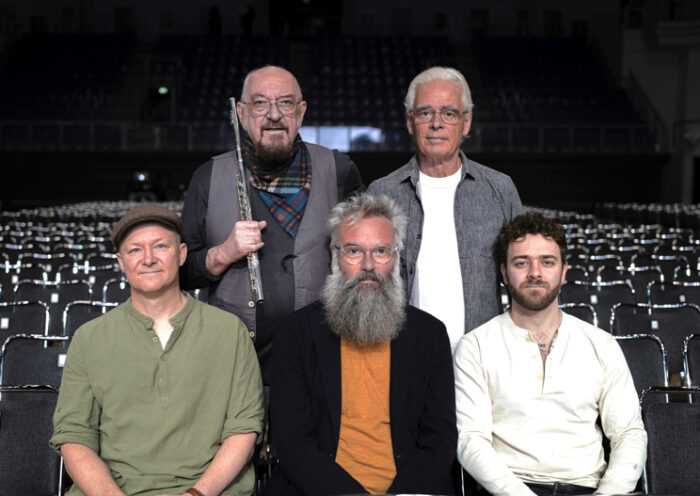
pixel 455 207
pixel 363 397
pixel 532 383
pixel 161 395
pixel 292 184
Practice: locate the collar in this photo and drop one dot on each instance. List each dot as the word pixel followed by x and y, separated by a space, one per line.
pixel 524 333
pixel 177 320
pixel 412 172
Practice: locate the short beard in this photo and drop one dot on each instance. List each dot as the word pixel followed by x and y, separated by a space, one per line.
pixel 362 313
pixel 534 304
pixel 276 153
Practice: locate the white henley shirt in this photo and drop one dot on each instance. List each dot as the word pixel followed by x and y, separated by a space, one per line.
pixel 521 421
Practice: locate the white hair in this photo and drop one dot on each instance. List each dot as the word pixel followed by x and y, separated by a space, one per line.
pixel 442 73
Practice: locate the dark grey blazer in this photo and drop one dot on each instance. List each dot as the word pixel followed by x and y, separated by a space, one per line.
pixel 305 408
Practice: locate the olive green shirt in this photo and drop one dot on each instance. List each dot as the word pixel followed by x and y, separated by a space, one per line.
pixel 157 417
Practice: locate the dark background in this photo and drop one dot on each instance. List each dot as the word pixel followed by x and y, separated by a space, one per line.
pixel 643 46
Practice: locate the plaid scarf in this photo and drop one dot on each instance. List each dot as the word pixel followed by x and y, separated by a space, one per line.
pixel 285 190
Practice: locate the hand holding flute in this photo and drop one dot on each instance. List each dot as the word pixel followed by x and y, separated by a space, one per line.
pixel 246 237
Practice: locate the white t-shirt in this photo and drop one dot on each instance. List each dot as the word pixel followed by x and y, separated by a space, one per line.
pixel 437 285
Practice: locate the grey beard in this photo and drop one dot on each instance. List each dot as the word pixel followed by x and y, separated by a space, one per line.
pixel 275 154
pixel 364 314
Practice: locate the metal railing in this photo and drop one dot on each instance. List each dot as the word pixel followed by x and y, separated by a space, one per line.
pixel 216 135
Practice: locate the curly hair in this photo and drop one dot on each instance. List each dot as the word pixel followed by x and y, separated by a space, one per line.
pixel 528 223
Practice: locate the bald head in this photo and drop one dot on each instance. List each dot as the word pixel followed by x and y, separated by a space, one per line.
pixel 274 72
pixel 271 111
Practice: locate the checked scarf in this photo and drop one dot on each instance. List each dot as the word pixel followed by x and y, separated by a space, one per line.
pixel 285 189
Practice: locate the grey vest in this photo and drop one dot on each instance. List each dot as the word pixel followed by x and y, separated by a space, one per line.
pixel 312 254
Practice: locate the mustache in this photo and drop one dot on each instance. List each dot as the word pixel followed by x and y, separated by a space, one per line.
pixel 367 275
pixel 274 125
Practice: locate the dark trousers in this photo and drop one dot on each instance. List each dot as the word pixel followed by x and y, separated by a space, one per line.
pixel 559 489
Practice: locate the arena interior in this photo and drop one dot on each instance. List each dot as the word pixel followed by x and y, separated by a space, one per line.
pixel 592 108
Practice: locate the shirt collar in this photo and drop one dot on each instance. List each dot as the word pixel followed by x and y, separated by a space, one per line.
pixel 177 320
pixel 412 172
pixel 519 331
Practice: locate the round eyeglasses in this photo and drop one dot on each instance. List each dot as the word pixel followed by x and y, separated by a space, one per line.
pixel 448 115
pixel 354 254
pixel 262 107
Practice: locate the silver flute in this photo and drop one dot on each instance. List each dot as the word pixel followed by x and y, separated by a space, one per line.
pixel 244 204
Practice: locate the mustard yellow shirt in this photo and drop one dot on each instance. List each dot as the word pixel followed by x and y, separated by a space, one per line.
pixel 364 447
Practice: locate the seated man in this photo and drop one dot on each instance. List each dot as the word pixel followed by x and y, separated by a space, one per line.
pixel 363 397
pixel 163 393
pixel 532 382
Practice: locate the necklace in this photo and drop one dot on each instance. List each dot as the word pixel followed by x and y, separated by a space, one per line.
pixel 544 347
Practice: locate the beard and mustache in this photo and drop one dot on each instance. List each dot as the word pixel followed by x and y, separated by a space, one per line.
pixel 278 149
pixel 534 303
pixel 364 314
pixel 275 153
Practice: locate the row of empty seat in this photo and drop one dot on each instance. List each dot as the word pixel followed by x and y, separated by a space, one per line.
pixel 549 80
pixel 638 279
pixel 64 76
pixel 658 347
pixel 351 79
pixel 680 216
pixel 58 270
pixel 362 80
pixel 211 69
pixel 635 279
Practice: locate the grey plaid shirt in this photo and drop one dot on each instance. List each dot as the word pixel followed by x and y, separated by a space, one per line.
pixel 484 199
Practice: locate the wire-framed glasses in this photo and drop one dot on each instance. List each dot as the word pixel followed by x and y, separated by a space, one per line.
pixel 260 106
pixel 354 254
pixel 449 115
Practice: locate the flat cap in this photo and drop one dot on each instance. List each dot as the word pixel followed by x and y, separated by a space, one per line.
pixel 145 214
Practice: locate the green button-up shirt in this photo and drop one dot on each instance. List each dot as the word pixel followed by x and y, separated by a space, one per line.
pixel 157 417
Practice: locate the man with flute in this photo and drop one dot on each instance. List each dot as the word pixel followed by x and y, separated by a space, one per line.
pixel 292 185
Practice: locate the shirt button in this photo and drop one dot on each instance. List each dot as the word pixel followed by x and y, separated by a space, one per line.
pixel 539 376
pixel 155 339
pixel 164 357
pixel 528 339
pixel 251 304
pixel 162 379
pixel 419 236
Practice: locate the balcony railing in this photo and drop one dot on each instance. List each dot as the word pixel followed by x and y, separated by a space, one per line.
pixel 207 136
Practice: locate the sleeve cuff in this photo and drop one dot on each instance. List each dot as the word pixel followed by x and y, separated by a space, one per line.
pixel 200 263
pixel 86 439
pixel 242 426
